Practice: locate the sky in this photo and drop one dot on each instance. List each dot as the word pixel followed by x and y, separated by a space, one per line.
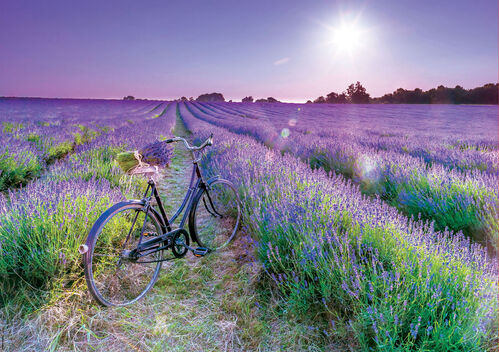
pixel 287 49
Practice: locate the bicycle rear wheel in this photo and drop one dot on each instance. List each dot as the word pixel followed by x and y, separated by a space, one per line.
pixel 215 215
pixel 114 278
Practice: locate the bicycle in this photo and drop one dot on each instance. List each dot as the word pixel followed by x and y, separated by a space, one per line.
pixel 126 246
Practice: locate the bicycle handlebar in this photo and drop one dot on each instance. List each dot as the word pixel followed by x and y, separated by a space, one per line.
pixel 206 143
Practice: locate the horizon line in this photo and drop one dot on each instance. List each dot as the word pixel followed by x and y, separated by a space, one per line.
pixel 234 100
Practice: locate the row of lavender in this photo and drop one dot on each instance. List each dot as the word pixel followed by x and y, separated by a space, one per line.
pixel 461 137
pixel 367 270
pixel 36 132
pixel 42 224
pixel 462 200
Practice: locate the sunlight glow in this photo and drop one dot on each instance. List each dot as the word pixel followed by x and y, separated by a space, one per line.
pixel 347 37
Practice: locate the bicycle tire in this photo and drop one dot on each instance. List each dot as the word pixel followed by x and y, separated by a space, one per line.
pixel 131 283
pixel 215 215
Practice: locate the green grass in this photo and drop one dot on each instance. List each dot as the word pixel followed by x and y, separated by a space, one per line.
pixel 18 171
pixel 11 127
pixel 85 135
pixel 40 242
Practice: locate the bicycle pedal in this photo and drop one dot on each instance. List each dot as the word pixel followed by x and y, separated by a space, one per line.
pixel 200 252
pixel 149 234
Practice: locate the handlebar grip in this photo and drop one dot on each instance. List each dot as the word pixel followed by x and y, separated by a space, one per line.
pixel 168 140
pixel 210 140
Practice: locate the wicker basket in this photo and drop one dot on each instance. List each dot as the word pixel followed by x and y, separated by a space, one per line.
pixel 147 160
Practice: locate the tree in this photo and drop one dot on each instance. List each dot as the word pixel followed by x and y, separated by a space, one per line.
pixel 342 98
pixel 335 98
pixel 331 98
pixel 183 98
pixel 309 102
pixel 486 94
pixel 129 97
pixel 268 100
pixel 210 97
pixel 441 95
pixel 357 94
pixel 320 100
pixel 248 99
pixel 459 94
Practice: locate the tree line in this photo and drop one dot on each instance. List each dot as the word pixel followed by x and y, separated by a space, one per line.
pixel 356 93
pixel 487 94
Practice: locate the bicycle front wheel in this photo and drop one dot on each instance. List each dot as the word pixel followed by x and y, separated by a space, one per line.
pixel 215 215
pixel 114 277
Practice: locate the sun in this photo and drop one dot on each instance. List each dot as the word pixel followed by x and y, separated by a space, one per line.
pixel 347 37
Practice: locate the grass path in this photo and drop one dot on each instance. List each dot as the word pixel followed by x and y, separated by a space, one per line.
pixel 203 304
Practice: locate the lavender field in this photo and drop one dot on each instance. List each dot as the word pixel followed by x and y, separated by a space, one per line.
pixel 380 220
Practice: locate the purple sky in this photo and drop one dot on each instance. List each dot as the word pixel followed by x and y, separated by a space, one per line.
pixel 166 49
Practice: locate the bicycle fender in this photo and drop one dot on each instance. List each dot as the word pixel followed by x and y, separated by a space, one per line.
pixel 195 200
pixel 213 179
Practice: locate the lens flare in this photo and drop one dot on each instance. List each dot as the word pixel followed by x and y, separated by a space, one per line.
pixel 367 167
pixel 285 133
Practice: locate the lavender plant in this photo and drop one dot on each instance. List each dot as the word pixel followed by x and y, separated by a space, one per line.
pixel 396 284
pixel 417 184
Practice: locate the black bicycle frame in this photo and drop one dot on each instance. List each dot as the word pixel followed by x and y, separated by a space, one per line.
pixel 197 182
